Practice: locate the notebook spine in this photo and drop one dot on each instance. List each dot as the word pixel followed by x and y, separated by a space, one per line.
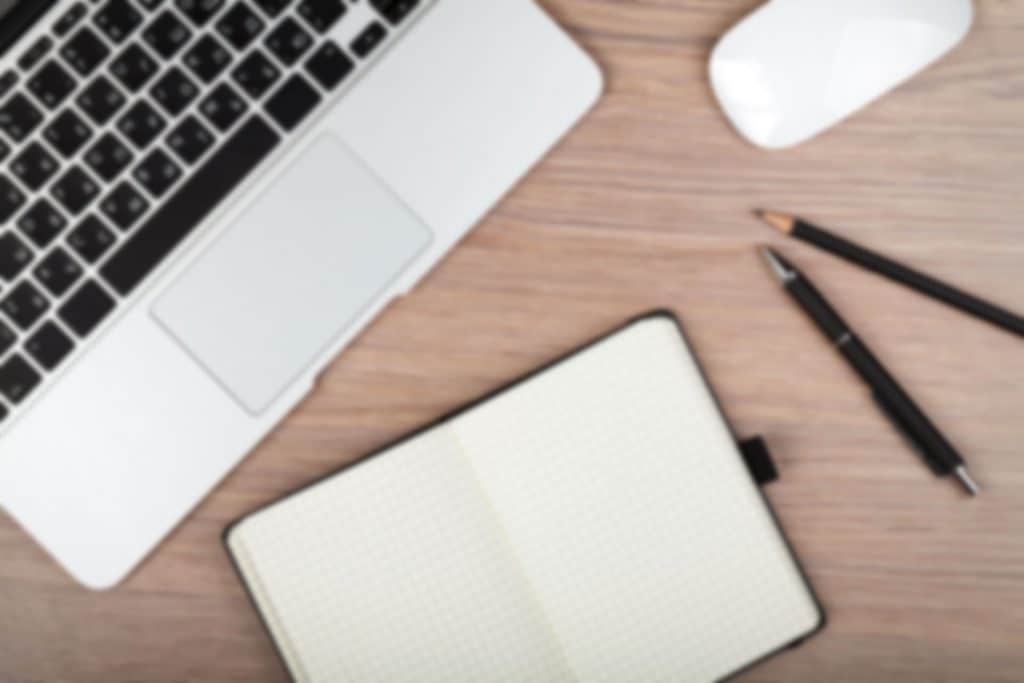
pixel 235 544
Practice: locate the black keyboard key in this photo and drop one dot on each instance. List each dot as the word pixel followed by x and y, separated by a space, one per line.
pixel 124 206
pixel 49 346
pixel 70 19
pixel 42 223
pixel 7 81
pixel 272 7
pixel 157 173
pixel 289 41
pixel 395 10
pixel 4 150
pixel 108 157
pixel 35 54
pixel 91 239
pixel 292 102
pixel 223 107
pixel 68 133
pixel 321 14
pixel 75 190
pixel 11 199
pixel 199 11
pixel 19 117
pixel 367 41
pixel 133 67
pixel 150 4
pixel 14 256
pixel 207 58
pixel 100 100
pixel 329 65
pixel 17 379
pixel 190 140
pixel 166 35
pixel 117 19
pixel 34 166
pixel 240 26
pixel 57 272
pixel 51 84
pixel 86 308
pixel 7 338
pixel 24 305
pixel 256 74
pixel 202 191
pixel 141 124
pixel 85 51
pixel 174 91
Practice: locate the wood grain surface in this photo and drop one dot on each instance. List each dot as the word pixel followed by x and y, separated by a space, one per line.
pixel 647 204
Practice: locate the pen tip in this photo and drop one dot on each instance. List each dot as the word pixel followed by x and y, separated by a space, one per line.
pixel 965 479
pixel 780 266
pixel 781 222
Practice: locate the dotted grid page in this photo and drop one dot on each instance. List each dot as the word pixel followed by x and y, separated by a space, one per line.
pixel 396 571
pixel 633 517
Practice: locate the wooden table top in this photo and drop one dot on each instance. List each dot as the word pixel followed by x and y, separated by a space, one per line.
pixel 647 204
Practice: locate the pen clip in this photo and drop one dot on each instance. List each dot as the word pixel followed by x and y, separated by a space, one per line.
pixel 908 434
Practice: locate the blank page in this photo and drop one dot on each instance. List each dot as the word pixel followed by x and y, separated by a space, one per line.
pixel 395 571
pixel 633 517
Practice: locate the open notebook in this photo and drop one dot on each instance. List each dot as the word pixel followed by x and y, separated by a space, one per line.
pixel 594 522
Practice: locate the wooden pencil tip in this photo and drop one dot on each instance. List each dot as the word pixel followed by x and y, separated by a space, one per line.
pixel 779 221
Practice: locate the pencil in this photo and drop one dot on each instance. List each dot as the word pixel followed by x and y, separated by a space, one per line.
pixel 873 261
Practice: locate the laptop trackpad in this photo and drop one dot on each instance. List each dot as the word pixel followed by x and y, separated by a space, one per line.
pixel 292 274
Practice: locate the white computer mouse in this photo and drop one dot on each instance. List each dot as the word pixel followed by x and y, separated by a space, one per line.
pixel 794 68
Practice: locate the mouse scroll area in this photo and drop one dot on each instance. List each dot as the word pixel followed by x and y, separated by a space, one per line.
pixel 794 68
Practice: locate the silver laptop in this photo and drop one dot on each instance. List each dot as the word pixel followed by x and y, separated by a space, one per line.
pixel 203 201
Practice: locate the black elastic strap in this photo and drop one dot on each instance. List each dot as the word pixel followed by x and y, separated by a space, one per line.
pixel 759 460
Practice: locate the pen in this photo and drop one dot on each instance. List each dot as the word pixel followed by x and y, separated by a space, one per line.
pixel 937 452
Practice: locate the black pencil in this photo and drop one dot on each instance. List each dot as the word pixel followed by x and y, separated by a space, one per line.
pixel 957 298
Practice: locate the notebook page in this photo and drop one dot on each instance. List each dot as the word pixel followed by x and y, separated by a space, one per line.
pixel 633 517
pixel 396 570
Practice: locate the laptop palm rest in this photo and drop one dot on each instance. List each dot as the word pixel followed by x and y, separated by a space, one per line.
pixel 269 297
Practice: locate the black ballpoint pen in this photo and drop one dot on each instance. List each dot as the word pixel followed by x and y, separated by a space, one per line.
pixel 937 452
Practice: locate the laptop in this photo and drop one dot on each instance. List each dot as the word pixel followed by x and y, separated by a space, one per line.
pixel 203 201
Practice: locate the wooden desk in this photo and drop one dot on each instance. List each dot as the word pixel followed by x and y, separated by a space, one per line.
pixel 647 205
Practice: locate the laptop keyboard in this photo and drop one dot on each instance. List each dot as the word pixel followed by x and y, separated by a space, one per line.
pixel 124 126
